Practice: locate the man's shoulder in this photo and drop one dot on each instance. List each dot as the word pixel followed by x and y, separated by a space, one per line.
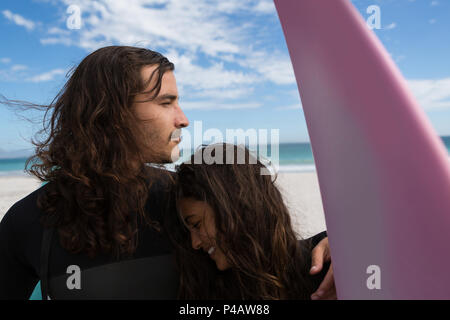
pixel 161 181
pixel 20 228
pixel 160 194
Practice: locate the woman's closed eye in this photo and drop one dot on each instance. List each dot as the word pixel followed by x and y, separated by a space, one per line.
pixel 196 225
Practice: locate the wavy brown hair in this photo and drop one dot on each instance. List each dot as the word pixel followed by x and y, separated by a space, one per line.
pixel 253 229
pixel 92 154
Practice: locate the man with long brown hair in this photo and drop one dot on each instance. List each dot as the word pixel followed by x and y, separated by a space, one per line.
pixel 96 229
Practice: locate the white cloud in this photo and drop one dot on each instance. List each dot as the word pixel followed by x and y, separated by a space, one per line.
pixel 225 93
pixel 18 67
pixel 265 6
pixel 204 78
pixel 59 31
pixel 291 107
pixel 275 67
pixel 391 26
pixel 213 105
pixel 14 72
pixel 47 76
pixel 190 27
pixel 19 72
pixel 231 6
pixel 19 20
pixel 216 55
pixel 254 6
pixel 65 41
pixel 397 58
pixel 214 81
pixel 431 94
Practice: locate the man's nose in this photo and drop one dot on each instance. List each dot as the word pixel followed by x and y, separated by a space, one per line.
pixel 181 121
pixel 195 241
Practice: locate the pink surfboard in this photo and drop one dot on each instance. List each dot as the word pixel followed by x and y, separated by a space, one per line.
pixel 384 174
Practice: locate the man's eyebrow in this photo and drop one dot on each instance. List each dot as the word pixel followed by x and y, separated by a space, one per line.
pixel 166 97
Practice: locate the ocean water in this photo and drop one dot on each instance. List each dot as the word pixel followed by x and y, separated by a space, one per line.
pixel 12 166
pixel 292 157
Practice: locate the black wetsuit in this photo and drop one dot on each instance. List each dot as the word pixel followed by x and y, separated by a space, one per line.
pixel 150 274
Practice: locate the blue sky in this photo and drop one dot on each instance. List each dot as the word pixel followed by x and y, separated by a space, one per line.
pixel 232 64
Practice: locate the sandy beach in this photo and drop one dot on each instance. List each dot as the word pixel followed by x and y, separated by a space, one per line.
pixel 14 188
pixel 301 194
pixel 300 190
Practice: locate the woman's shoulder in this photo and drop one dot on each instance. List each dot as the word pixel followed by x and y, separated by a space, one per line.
pixel 314 240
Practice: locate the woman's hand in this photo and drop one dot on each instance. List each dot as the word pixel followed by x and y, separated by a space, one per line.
pixel 321 254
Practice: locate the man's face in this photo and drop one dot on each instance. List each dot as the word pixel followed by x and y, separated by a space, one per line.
pixel 161 118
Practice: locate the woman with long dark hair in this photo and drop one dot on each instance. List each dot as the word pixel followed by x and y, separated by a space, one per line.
pixel 236 239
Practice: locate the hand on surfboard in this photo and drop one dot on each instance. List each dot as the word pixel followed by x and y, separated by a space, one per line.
pixel 321 254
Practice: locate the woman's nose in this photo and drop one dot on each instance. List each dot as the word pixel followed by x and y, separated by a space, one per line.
pixel 195 241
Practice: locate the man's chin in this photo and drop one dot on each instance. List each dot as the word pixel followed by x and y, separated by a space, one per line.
pixel 161 160
pixel 164 159
pixel 175 154
pixel 164 156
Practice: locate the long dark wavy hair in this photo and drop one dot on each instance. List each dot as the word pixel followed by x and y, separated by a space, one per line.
pixel 95 196
pixel 253 229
